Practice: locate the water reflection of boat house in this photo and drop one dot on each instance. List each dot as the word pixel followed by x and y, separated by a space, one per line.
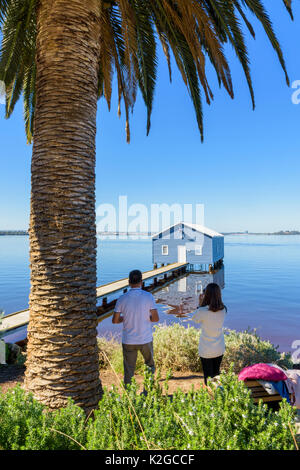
pixel 199 246
pixel 218 277
pixel 200 282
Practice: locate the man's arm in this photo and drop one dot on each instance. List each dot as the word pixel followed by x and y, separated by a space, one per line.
pixel 117 318
pixel 154 317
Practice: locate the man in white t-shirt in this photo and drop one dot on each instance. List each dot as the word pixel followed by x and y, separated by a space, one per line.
pixel 137 311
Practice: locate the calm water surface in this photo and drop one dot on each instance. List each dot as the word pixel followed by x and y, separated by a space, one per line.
pixel 261 276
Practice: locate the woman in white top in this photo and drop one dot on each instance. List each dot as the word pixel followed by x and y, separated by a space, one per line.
pixel 211 315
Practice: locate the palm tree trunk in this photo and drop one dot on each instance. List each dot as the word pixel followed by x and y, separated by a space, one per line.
pixel 62 359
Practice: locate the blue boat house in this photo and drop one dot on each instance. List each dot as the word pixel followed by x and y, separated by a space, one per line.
pixel 199 246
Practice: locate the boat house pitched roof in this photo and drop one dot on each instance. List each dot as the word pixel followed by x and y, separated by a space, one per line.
pixel 197 227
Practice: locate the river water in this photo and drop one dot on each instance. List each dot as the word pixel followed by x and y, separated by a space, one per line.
pixel 261 282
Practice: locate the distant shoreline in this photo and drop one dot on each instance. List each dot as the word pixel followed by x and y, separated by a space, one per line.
pixel 13 232
pixel 287 232
pixel 135 234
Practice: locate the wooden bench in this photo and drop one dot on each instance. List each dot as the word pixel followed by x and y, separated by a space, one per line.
pixel 259 393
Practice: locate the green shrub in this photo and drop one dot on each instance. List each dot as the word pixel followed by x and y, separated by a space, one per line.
pixel 221 418
pixel 18 413
pixel 27 424
pixel 197 420
pixel 108 349
pixel 176 347
pixel 246 348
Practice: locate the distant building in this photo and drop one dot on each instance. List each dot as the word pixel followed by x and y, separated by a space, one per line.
pixel 188 243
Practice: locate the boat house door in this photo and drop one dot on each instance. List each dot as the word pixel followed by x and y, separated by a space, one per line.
pixel 181 254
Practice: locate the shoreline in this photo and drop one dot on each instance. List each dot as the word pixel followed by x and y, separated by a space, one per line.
pixel 5 233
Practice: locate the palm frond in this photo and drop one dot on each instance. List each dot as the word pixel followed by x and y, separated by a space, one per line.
pixel 29 100
pixel 245 19
pixel 259 11
pixel 288 5
pixel 17 56
pixel 192 32
pixel 13 91
pixel 228 21
pixel 4 4
pixel 146 54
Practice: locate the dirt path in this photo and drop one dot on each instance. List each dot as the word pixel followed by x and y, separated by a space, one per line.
pixel 183 380
pixel 11 375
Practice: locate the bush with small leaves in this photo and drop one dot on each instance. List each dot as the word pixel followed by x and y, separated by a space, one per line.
pixel 176 347
pixel 247 347
pixel 224 417
pixel 27 424
pixel 19 412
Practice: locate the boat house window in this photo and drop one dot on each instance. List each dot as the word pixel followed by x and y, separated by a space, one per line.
pixel 165 249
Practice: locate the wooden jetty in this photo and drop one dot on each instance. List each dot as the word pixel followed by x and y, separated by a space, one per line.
pixel 152 280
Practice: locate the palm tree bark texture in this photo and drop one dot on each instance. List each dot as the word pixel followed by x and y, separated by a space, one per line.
pixel 62 347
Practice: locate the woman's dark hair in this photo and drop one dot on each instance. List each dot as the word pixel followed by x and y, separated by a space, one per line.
pixel 213 298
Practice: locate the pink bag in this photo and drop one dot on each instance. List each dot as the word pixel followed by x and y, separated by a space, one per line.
pixel 262 372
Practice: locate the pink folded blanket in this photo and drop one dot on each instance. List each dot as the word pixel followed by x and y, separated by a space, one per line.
pixel 262 372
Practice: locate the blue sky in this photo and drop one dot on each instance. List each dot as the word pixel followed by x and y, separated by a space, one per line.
pixel 246 173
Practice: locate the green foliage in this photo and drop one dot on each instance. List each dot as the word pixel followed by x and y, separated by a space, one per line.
pixel 246 348
pixel 63 429
pixel 220 418
pixel 17 56
pixel 18 413
pixel 195 32
pixel 26 424
pixel 176 347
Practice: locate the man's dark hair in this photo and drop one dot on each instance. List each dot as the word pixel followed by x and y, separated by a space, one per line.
pixel 135 277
